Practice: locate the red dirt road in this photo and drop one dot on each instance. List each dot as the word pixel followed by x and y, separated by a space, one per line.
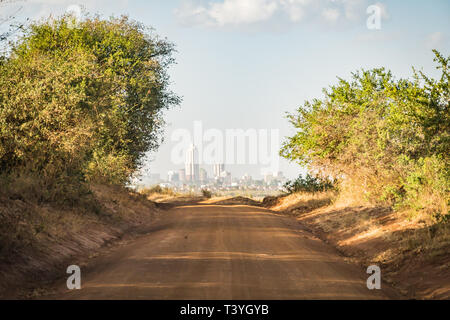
pixel 224 252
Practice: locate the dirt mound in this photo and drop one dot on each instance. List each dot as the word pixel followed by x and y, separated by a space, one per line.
pixel 271 201
pixel 237 201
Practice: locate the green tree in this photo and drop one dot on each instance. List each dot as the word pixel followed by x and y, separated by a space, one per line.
pixel 387 137
pixel 85 102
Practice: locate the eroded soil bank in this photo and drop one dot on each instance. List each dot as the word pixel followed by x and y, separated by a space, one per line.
pixel 51 238
pixel 413 256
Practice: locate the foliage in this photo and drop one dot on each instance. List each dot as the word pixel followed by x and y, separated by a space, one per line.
pixel 308 184
pixel 83 103
pixel 158 190
pixel 206 193
pixel 390 138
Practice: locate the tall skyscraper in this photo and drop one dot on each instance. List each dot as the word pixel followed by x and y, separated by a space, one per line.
pixel 182 175
pixel 268 178
pixel 226 176
pixel 191 165
pixel 173 176
pixel 218 169
pixel 203 177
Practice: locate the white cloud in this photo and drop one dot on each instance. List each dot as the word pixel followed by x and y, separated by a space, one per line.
pixel 296 10
pixel 244 12
pixel 436 40
pixel 331 15
pixel 228 12
pixel 353 9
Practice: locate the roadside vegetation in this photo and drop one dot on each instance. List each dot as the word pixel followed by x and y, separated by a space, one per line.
pixel 385 139
pixel 80 105
pixel 378 149
pixel 161 194
pixel 207 194
pixel 158 190
pixel 309 183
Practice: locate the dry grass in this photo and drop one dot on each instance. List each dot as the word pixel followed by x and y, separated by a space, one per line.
pixel 162 194
pixel 304 202
pixel 167 195
pixel 239 200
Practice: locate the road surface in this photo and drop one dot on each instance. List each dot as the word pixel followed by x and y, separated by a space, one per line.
pixel 224 252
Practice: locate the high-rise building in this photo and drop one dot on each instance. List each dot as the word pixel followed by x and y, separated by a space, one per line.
pixel 203 177
pixel 279 175
pixel 226 176
pixel 182 175
pixel 268 178
pixel 246 179
pixel 218 169
pixel 191 164
pixel 173 176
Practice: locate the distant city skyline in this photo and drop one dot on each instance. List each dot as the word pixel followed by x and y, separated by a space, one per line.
pixel 195 175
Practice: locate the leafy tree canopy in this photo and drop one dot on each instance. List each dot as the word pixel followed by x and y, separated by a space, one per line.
pixel 83 100
pixel 388 137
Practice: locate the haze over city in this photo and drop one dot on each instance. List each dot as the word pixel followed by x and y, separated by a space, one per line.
pixel 195 177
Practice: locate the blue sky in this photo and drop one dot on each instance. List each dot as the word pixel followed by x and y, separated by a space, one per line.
pixel 244 63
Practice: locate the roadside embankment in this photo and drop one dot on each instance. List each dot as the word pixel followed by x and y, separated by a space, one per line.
pixel 44 239
pixel 413 253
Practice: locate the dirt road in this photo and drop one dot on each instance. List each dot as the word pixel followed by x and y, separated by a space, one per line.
pixel 224 252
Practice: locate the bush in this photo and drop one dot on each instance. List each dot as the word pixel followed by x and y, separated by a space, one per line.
pixel 158 190
pixel 82 104
pixel 308 184
pixel 387 137
pixel 206 193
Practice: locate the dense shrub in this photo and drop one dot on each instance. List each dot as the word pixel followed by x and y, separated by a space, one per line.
pixel 389 138
pixel 308 184
pixel 82 104
pixel 206 193
pixel 157 190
